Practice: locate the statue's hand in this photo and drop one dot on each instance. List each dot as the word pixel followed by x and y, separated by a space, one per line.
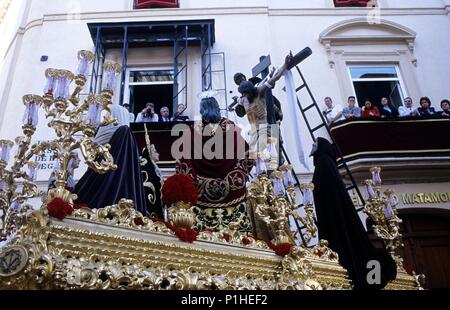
pixel 272 72
pixel 289 59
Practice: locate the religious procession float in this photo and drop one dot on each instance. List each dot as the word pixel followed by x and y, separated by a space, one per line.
pixel 211 234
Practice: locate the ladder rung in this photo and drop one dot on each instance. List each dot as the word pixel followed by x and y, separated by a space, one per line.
pixel 309 107
pixel 350 187
pixel 300 87
pixel 318 127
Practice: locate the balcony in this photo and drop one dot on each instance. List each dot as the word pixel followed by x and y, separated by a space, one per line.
pixel 410 149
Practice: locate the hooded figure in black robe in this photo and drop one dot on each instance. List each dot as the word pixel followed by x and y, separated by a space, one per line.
pixel 338 222
pixel 101 190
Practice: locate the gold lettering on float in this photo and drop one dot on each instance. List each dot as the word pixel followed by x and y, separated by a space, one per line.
pixel 407 200
pixel 425 198
pixel 416 198
pixel 435 198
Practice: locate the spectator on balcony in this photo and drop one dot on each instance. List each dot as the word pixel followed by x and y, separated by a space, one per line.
pixel 408 108
pixel 351 111
pixel 445 106
pixel 179 117
pixel 425 107
pixel 148 114
pixel 369 110
pixel 164 115
pixel 387 110
pixel 333 113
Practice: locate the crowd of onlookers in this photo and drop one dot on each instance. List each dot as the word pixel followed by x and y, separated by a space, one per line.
pixel 148 114
pixel 334 113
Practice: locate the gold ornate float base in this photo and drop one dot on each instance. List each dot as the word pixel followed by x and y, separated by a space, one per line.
pixel 115 248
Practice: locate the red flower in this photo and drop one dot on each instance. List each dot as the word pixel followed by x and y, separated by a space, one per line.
pixel 138 221
pixel 184 234
pixel 59 208
pixel 227 237
pixel 177 188
pixel 281 249
pixel 246 241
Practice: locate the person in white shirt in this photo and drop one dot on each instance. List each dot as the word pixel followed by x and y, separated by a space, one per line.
pixel 408 108
pixel 333 113
pixel 165 114
pixel 148 114
pixel 127 106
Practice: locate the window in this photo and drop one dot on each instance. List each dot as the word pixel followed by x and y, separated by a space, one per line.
pixel 149 85
pixel 377 81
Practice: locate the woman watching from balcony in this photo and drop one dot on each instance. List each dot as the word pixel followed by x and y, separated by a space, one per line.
pixel 369 110
pixel 425 107
pixel 445 106
pixel 387 110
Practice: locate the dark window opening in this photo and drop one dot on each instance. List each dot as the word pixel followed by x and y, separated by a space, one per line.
pixel 159 95
pixel 377 90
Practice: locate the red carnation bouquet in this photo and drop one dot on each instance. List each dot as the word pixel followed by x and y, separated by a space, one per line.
pixel 179 188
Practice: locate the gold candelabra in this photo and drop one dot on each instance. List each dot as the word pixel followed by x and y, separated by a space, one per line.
pixel 274 200
pixel 381 208
pixel 68 117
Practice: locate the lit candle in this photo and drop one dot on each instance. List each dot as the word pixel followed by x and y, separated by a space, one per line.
pixel 62 84
pixel 111 72
pixel 84 59
pixel 388 212
pixel 94 112
pixel 5 146
pixel 308 198
pixel 50 75
pixel 369 188
pixel 288 179
pixel 30 116
pixel 277 182
pixel 376 178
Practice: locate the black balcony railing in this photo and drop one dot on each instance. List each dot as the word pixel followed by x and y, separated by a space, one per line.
pixel 401 137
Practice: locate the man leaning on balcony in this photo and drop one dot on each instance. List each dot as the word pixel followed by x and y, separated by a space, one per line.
pixel 333 113
pixel 351 111
pixel 408 108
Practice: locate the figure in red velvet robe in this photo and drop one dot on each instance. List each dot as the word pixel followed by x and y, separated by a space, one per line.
pixel 221 176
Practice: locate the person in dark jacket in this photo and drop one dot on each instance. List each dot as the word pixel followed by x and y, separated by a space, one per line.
pixel 425 107
pixel 387 110
pixel 445 106
pixel 338 222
